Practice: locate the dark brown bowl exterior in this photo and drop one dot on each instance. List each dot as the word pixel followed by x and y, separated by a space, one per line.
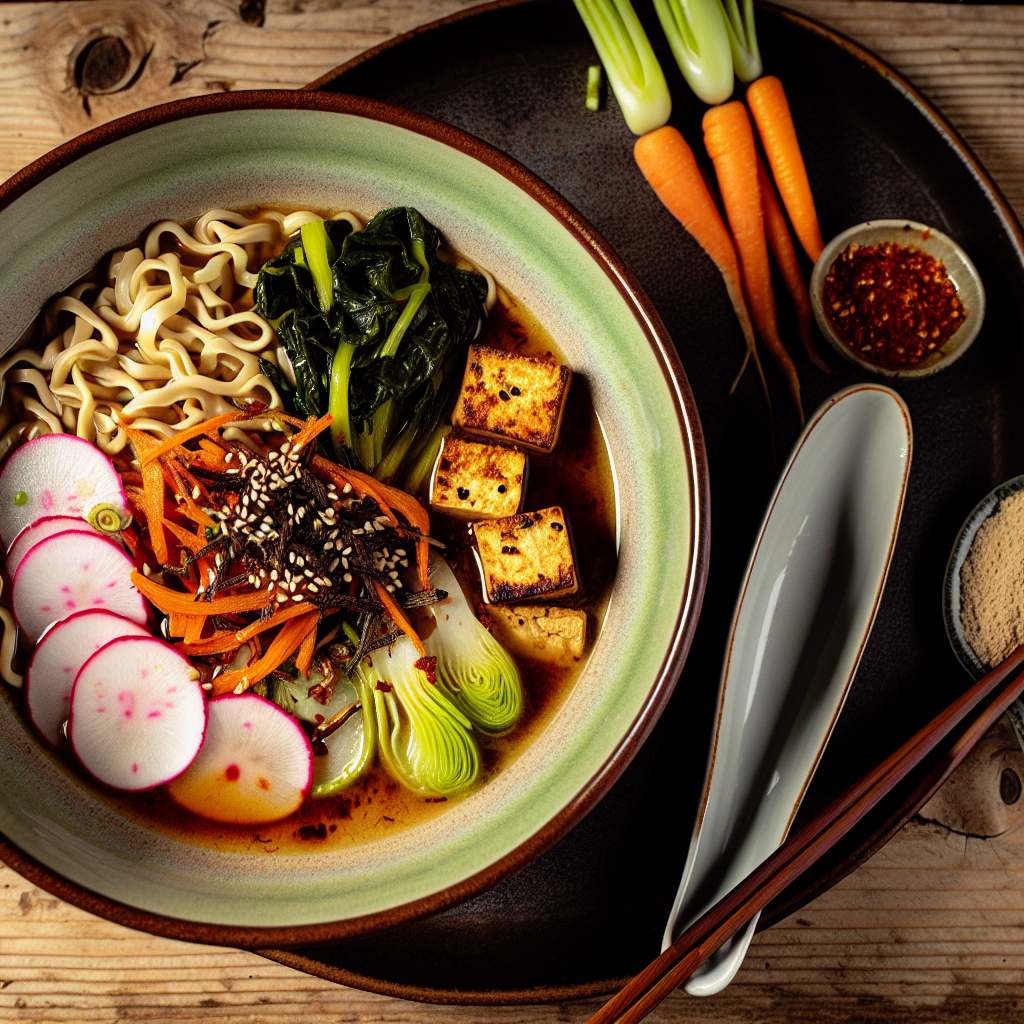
pixel 568 926
pixel 695 571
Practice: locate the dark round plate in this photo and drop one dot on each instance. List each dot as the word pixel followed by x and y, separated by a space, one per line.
pixel 591 911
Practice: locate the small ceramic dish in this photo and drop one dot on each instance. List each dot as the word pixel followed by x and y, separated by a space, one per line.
pixel 958 266
pixel 806 605
pixel 951 582
pixel 324 151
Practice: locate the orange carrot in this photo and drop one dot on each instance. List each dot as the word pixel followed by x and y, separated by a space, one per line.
pixel 781 244
pixel 185 604
pixel 206 427
pixel 767 101
pixel 309 431
pixel 668 164
pixel 286 641
pixel 231 640
pixel 183 537
pixel 304 659
pixel 152 492
pixel 729 140
pixel 399 619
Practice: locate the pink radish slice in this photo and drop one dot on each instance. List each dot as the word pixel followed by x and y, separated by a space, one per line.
pixel 40 530
pixel 68 573
pixel 61 652
pixel 55 475
pixel 137 713
pixel 256 764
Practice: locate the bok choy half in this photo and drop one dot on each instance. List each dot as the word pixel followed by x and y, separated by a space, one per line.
pixel 376 327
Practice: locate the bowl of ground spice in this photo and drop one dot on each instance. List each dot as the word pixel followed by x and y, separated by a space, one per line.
pixel 898 298
pixel 983 591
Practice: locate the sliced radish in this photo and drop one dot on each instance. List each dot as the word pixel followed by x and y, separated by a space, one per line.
pixel 40 530
pixel 55 475
pixel 137 713
pixel 61 652
pixel 256 764
pixel 68 573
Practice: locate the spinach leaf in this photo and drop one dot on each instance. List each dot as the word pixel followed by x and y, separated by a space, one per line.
pixel 384 353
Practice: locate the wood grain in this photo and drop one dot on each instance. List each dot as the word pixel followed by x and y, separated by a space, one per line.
pixel 930 929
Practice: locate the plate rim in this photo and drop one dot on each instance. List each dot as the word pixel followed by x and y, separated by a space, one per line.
pixel 786 903
pixel 684 406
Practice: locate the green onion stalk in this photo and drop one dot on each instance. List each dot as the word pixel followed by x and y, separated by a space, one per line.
pixel 699 36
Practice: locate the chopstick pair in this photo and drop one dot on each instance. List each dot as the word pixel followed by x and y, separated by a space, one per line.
pixel 644 992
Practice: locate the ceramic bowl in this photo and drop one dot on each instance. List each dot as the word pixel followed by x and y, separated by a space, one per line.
pixel 951 582
pixel 958 265
pixel 241 150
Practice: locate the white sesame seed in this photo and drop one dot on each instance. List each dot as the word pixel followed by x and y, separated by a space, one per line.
pixel 378 525
pixel 290 478
pixel 344 562
pixel 298 597
pixel 285 448
pixel 251 579
pixel 329 545
pixel 347 577
pixel 347 551
pixel 291 587
pixel 313 588
pixel 346 489
pixel 281 598
pixel 291 557
pixel 273 574
pixel 405 563
pixel 390 589
pixel 231 471
pixel 356 533
pixel 398 583
pixel 195 492
pixel 309 573
pixel 146 571
pixel 393 575
pixel 333 566
pixel 400 552
pixel 300 561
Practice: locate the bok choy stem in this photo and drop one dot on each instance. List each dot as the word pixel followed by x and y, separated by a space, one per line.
pixel 698 33
pixel 633 71
pixel 338 405
pixel 319 255
pixel 746 56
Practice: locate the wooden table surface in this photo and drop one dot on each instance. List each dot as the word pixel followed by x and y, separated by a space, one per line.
pixel 930 929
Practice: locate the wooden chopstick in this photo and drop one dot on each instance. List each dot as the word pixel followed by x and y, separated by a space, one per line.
pixel 762 885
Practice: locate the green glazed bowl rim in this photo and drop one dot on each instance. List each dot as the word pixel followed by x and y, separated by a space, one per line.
pixel 694 573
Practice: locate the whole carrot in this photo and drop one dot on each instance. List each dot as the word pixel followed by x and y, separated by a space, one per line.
pixel 767 101
pixel 781 244
pixel 729 140
pixel 668 164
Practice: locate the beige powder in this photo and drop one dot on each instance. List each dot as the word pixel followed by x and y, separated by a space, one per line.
pixel 992 584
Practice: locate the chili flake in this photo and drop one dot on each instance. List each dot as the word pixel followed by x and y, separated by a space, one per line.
pixel 892 304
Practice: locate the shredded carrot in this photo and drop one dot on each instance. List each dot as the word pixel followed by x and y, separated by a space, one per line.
pixel 309 431
pixel 363 485
pixel 173 601
pixel 192 510
pixel 399 619
pixel 669 166
pixel 781 244
pixel 304 659
pixel 194 628
pixel 729 140
pixel 206 427
pixel 418 517
pixel 231 640
pixel 281 647
pixel 183 537
pixel 152 504
pixel 767 101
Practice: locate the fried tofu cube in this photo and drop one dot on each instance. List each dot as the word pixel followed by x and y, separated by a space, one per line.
pixel 525 556
pixel 512 398
pixel 541 631
pixel 477 481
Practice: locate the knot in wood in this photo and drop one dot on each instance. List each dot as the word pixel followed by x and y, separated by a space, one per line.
pixel 102 66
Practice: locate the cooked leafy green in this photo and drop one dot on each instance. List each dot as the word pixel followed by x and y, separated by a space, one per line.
pixel 376 326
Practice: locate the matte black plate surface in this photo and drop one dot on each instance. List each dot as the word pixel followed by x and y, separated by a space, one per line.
pixel 591 911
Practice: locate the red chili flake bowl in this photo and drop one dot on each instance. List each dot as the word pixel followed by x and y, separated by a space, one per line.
pixel 887 357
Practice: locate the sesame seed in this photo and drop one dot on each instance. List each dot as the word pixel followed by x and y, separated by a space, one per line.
pixel 146 571
pixel 405 563
pixel 346 489
pixel 291 587
pixel 252 579
pixel 229 456
pixel 231 471
pixel 347 577
pixel 195 492
pixel 400 552
pixel 334 565
pixel 378 526
pixel 357 533
pixel 329 545
pixel 313 588
pixel 309 573
pixel 300 561
pixel 390 589
pixel 398 583
pixel 290 478
pixel 291 557
pixel 285 448
pixel 298 597
pixel 347 551
pixel 281 598
pixel 393 574
pixel 273 574
pixel 383 519
pixel 344 562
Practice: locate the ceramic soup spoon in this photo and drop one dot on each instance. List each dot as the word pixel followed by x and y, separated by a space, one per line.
pixel 805 609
